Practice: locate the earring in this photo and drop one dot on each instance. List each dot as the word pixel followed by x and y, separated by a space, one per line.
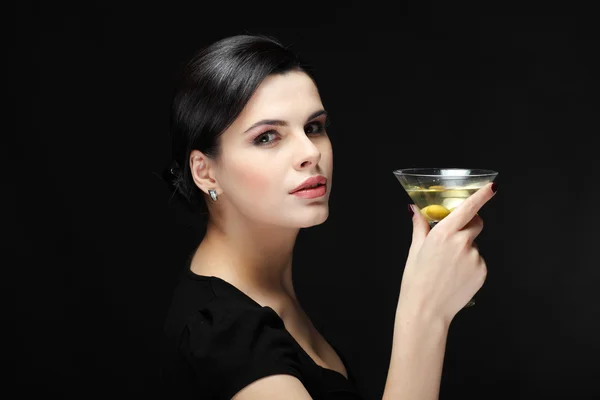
pixel 213 194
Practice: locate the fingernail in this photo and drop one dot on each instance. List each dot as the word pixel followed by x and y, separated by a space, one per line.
pixel 410 210
pixel 494 187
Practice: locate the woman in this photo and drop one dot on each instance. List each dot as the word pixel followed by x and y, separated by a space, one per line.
pixel 250 144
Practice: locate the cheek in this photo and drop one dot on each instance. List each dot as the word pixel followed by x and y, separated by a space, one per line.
pixel 249 180
pixel 254 180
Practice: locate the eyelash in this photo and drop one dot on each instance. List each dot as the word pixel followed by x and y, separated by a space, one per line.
pixel 319 130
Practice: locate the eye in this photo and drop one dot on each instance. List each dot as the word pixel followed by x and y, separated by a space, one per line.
pixel 314 127
pixel 265 138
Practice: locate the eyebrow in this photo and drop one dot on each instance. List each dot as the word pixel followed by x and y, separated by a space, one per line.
pixel 279 122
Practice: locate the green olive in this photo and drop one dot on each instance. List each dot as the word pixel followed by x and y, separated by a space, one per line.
pixel 424 214
pixel 436 212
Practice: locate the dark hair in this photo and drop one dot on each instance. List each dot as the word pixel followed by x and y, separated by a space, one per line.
pixel 215 86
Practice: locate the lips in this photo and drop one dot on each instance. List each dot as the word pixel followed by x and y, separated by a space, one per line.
pixel 312 182
pixel 313 193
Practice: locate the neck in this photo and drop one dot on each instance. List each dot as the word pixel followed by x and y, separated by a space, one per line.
pixel 256 256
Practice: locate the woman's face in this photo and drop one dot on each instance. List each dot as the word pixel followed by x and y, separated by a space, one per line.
pixel 276 143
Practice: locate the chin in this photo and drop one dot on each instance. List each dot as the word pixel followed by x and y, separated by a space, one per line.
pixel 317 218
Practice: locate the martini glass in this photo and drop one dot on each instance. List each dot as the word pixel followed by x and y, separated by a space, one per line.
pixel 438 191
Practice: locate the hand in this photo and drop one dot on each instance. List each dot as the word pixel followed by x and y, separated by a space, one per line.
pixel 444 269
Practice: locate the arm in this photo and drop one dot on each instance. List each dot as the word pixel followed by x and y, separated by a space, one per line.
pixel 443 271
pixel 274 387
pixel 417 358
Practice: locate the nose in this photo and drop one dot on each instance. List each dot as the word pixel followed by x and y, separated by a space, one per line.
pixel 307 154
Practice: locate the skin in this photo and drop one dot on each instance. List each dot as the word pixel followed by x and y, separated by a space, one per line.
pixel 254 223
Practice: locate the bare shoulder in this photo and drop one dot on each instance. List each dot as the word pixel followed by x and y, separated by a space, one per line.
pixel 274 387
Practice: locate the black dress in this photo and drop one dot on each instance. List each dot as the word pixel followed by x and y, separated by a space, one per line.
pixel 217 340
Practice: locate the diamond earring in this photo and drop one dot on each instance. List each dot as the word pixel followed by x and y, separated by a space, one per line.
pixel 213 194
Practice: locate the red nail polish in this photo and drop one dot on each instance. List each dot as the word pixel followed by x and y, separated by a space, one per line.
pixel 494 187
pixel 410 211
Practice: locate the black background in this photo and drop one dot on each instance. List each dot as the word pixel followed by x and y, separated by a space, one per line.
pixel 95 245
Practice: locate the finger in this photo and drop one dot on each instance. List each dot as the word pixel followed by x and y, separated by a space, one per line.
pixel 468 209
pixel 483 270
pixel 473 228
pixel 420 228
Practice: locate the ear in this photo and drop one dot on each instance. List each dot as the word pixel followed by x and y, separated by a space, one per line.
pixel 203 171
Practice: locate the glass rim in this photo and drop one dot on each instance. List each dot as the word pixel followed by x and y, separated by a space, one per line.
pixel 427 172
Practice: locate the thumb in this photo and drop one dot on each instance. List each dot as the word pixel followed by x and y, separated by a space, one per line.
pixel 420 228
